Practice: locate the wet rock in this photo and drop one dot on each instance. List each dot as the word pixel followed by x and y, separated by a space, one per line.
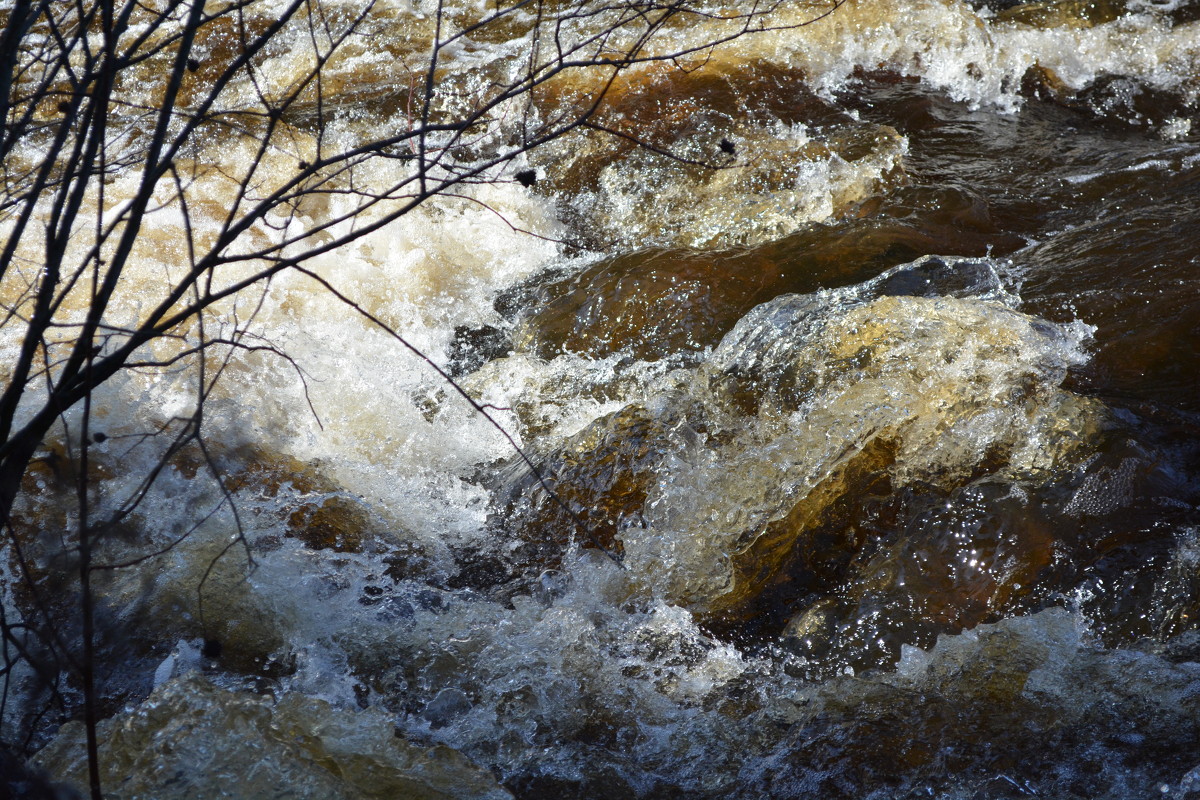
pixel 471 348
pixel 1005 705
pixel 649 304
pixel 1063 13
pixel 600 478
pixel 1116 101
pixel 445 706
pixel 1129 101
pixel 334 523
pixel 312 509
pixel 1189 786
pixel 653 304
pixel 1042 83
pixel 199 582
pixel 190 738
pixel 959 559
pixel 1185 647
pixel 1119 101
pixel 787 179
pixel 812 543
pixel 745 477
pixel 671 147
pixel 659 105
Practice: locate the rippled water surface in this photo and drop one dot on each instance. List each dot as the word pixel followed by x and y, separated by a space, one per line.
pixel 867 427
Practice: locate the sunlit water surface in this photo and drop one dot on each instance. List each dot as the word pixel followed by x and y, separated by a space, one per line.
pixel 892 424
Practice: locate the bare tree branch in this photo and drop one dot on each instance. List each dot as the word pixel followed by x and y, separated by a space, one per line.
pixel 93 92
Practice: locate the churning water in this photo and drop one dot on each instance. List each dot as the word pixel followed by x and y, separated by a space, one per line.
pixel 884 431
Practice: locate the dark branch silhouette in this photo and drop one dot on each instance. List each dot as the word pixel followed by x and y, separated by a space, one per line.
pixel 99 89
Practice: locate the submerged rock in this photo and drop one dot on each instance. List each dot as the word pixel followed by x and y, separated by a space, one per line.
pixel 652 304
pixel 954 559
pixel 1013 709
pixel 786 179
pixel 193 739
pixel 748 475
pixel 1063 13
pixel 1133 102
pixel 695 158
pixel 953 388
pixel 649 304
pixel 1118 101
pixel 200 582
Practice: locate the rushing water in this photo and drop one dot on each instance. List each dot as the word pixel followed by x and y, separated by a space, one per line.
pixel 885 433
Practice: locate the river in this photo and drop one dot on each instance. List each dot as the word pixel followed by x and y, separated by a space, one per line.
pixel 873 411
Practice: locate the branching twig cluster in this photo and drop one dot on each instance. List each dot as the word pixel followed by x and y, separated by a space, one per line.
pixel 96 94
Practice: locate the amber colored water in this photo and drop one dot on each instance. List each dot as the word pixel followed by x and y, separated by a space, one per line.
pixel 867 458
